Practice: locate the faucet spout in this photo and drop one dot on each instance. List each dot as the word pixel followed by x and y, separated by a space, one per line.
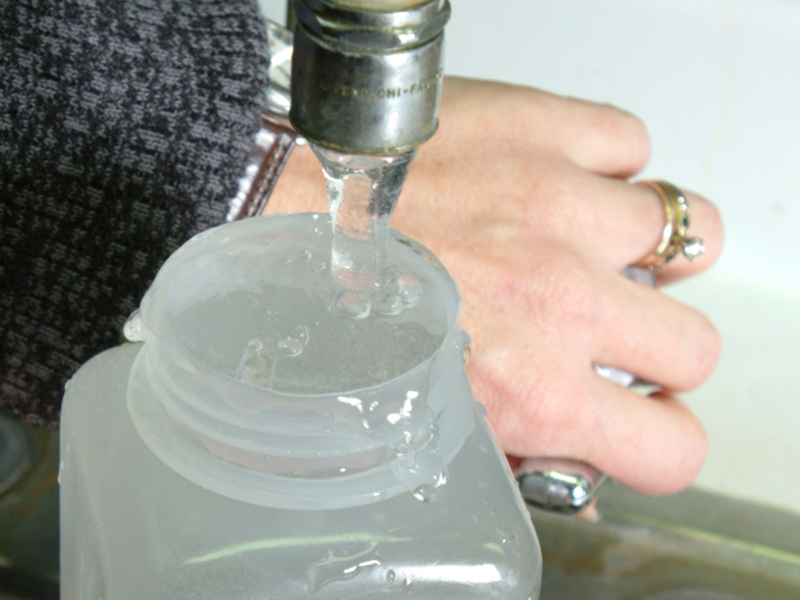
pixel 366 75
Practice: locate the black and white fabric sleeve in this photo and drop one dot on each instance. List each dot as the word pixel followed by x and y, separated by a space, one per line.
pixel 124 126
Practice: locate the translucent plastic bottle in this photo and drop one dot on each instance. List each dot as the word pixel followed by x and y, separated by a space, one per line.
pixel 267 440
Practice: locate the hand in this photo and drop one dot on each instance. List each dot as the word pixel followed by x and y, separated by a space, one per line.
pixel 523 196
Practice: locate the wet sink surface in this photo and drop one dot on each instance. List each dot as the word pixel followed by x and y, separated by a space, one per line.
pixel 691 546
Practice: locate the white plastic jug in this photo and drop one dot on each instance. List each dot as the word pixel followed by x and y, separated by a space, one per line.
pixel 261 442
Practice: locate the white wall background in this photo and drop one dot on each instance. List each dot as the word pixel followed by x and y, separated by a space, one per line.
pixel 718 83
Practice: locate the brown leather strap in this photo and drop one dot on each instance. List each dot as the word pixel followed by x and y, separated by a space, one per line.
pixel 273 145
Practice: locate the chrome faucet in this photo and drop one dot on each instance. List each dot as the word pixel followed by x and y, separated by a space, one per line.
pixel 367 81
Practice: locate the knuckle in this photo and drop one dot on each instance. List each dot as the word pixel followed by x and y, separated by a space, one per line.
pixel 640 141
pixel 632 138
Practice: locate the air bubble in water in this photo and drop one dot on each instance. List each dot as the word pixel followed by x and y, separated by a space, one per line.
pixel 256 365
pixel 132 330
pixel 354 304
pixel 390 576
pixel 302 334
pixel 293 344
pixel 388 303
pixel 290 346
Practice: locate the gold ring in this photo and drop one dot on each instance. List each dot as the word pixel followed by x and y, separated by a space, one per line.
pixel 674 238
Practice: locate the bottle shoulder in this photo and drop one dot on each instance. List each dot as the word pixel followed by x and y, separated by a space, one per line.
pixel 102 376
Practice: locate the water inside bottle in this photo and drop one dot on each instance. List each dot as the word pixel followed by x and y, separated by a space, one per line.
pixel 295 330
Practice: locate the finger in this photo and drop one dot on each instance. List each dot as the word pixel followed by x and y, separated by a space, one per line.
pixel 654 445
pixel 622 222
pixel 600 138
pixel 649 334
pixel 645 205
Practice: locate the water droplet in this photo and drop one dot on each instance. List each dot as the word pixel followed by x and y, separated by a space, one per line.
pixel 132 330
pixel 390 576
pixel 429 491
pixel 307 254
pixel 506 534
pixel 463 342
pixel 353 304
pixel 481 408
pixel 423 472
pixel 328 571
pixel 321 267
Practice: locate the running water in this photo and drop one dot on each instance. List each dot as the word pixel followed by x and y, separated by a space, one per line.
pixel 362 193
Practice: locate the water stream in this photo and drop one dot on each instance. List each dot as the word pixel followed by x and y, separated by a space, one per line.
pixel 362 194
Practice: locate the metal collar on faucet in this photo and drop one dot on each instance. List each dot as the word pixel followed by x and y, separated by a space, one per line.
pixel 366 81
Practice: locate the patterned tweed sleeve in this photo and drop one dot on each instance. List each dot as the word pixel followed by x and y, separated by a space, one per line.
pixel 124 125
